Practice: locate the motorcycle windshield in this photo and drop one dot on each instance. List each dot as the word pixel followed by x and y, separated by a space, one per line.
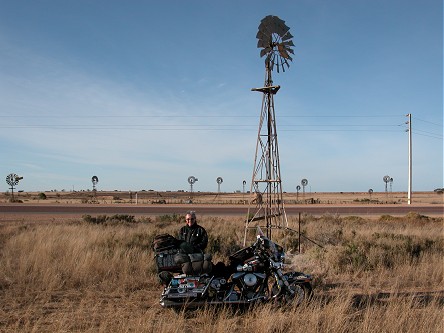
pixel 259 232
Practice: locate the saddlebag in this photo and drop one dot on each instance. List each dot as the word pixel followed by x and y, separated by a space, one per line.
pixel 165 261
pixel 165 248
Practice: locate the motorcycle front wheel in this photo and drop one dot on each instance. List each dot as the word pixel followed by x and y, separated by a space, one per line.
pixel 302 293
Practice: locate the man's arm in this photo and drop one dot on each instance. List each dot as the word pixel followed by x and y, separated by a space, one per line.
pixel 204 240
pixel 181 234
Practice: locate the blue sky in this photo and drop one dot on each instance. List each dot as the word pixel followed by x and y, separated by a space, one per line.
pixel 144 94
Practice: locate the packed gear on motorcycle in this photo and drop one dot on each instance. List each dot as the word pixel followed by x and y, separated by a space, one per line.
pixel 183 254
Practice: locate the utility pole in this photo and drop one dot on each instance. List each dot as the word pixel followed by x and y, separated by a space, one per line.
pixel 409 193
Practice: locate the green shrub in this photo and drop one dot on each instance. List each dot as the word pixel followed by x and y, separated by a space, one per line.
pixel 114 219
pixel 169 218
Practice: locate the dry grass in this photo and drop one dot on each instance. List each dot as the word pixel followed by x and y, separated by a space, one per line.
pixel 381 275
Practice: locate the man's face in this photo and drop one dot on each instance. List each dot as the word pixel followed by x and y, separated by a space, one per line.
pixel 189 220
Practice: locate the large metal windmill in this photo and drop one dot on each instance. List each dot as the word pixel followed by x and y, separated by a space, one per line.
pixel 266 204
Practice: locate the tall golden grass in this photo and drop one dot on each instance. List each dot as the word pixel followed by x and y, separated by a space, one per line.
pixel 98 275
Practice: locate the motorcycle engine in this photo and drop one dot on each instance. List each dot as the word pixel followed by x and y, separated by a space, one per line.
pixel 248 281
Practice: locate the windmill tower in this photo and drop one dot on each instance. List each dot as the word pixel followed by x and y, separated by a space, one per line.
pixel 266 203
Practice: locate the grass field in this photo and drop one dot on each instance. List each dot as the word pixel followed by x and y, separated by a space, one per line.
pixel 383 275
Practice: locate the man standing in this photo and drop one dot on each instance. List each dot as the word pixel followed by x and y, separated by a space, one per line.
pixel 193 236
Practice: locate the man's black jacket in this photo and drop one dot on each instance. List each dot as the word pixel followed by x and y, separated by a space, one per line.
pixel 195 235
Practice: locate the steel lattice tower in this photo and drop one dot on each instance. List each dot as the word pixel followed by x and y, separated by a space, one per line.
pixel 266 203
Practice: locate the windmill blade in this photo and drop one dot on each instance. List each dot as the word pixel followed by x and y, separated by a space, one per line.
pixel 281 28
pixel 272 60
pixel 262 35
pixel 287 35
pixel 266 19
pixel 286 62
pixel 278 63
pixel 266 30
pixel 283 63
pixel 282 51
pixel 265 51
pixel 282 67
pixel 273 26
pixel 289 50
pixel 288 43
pixel 264 43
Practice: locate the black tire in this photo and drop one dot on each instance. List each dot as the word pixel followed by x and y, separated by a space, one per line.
pixel 303 292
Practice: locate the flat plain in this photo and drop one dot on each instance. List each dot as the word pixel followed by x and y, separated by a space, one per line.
pixel 77 274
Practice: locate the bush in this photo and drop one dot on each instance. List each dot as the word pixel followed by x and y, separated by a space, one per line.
pixel 42 196
pixel 15 200
pixel 169 218
pixel 115 219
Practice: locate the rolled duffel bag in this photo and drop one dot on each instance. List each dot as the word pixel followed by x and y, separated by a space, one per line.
pixel 164 242
pixel 196 263
pixel 201 263
pixel 194 257
pixel 183 260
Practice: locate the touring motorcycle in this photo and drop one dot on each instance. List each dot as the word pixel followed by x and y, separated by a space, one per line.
pixel 254 274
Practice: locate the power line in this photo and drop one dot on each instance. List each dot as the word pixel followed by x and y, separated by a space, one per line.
pixel 430 136
pixel 218 127
pixel 195 116
pixel 429 122
pixel 213 127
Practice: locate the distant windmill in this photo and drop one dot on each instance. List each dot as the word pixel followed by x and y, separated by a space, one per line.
pixel 94 181
pixel 191 181
pixel 370 191
pixel 386 180
pixel 12 180
pixel 298 188
pixel 219 181
pixel 304 182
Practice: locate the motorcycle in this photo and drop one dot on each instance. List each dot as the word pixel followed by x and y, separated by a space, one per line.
pixel 254 275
